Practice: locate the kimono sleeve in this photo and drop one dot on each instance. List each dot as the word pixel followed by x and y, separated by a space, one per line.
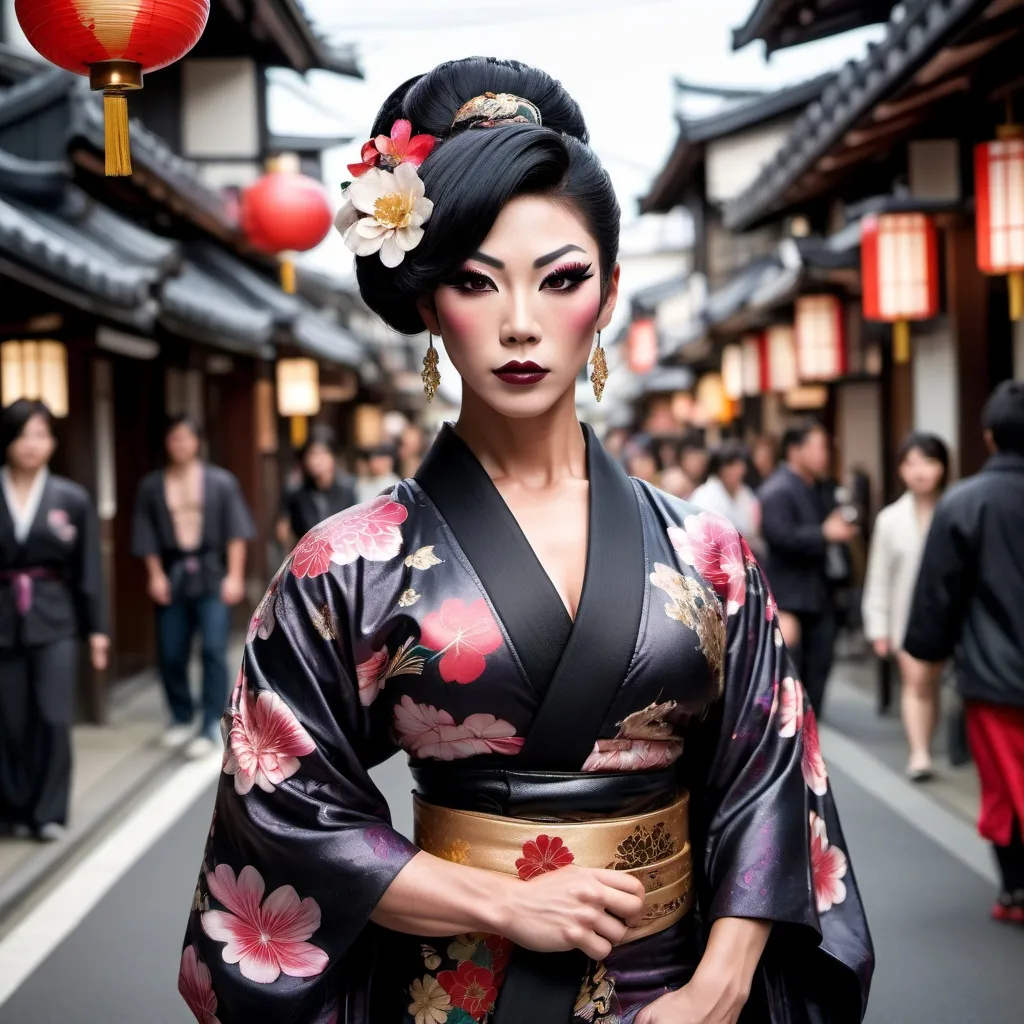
pixel 145 531
pixel 301 848
pixel 762 807
pixel 87 572
pixel 238 523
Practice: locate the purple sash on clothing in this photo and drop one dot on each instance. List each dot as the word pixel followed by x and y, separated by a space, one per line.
pixel 22 583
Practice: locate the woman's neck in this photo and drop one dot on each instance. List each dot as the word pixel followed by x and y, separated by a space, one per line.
pixel 23 479
pixel 540 450
pixel 925 502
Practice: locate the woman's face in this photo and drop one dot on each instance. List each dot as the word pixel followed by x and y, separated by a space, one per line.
pixel 33 447
pixel 319 462
pixel 518 319
pixel 921 474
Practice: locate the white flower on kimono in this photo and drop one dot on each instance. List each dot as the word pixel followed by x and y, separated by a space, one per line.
pixel 195 986
pixel 426 731
pixel 395 209
pixel 265 617
pixel 712 546
pixel 812 764
pixel 430 1003
pixel 791 707
pixel 828 867
pixel 265 938
pixel 265 743
pixel 632 755
pixel 371 675
pixel 371 531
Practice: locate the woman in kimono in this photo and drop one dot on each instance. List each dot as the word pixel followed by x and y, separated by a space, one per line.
pixel 622 812
pixel 51 593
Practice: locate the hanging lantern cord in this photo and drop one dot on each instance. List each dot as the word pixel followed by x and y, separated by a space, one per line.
pixel 115 79
pixel 901 341
pixel 299 431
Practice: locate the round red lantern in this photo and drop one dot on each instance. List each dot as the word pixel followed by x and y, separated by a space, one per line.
pixel 286 211
pixel 114 43
pixel 999 189
pixel 899 256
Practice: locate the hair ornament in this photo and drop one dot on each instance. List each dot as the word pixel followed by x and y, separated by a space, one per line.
pixel 385 208
pixel 491 110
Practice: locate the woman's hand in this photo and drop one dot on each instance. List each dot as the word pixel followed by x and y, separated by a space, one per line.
pixel 232 590
pixel 573 908
pixel 691 1006
pixel 881 648
pixel 99 650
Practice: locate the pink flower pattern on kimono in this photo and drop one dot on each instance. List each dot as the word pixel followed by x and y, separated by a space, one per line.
pixel 371 531
pixel 196 987
pixel 828 867
pixel 464 634
pixel 371 675
pixel 426 731
pixel 632 755
pixel 712 546
pixel 265 938
pixel 791 707
pixel 265 742
pixel 812 763
pixel 265 617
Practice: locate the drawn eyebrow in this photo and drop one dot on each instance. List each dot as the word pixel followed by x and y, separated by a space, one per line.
pixel 543 261
pixel 489 260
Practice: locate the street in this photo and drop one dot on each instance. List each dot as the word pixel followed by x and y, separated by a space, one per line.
pixel 940 959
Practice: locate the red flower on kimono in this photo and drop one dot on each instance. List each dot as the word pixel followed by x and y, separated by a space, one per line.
pixel 791 707
pixel 712 546
pixel 371 676
pixel 812 763
pixel 196 987
pixel 369 531
pixel 828 867
pixel 464 635
pixel 545 853
pixel 265 938
pixel 470 988
pixel 632 755
pixel 265 743
pixel 500 949
pixel 426 731
pixel 265 617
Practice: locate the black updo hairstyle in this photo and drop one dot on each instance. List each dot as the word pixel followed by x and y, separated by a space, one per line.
pixel 471 175
pixel 15 418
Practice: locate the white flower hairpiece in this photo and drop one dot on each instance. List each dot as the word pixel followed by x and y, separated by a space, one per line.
pixel 385 207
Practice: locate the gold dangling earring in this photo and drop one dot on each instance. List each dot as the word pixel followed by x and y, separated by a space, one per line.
pixel 430 376
pixel 599 376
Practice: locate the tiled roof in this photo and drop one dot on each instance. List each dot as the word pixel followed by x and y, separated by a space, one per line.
pixel 782 23
pixel 912 38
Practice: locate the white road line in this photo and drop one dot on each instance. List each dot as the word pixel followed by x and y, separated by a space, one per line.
pixel 62 910
pixel 888 787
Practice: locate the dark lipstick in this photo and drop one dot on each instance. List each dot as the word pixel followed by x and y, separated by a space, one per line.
pixel 514 372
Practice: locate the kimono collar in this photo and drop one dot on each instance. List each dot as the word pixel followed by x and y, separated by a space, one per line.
pixel 23 517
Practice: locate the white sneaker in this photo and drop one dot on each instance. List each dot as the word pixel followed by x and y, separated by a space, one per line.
pixel 51 832
pixel 177 736
pixel 201 746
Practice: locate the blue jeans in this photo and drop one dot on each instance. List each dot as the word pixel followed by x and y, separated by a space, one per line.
pixel 176 625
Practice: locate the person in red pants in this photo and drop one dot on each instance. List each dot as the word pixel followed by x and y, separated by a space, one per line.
pixel 969 604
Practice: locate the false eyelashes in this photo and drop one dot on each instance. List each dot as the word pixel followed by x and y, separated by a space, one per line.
pixel 473 282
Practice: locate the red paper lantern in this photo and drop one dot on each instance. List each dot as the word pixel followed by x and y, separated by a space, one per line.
pixel 820 337
pixel 114 43
pixel 999 189
pixel 780 342
pixel 899 255
pixel 642 346
pixel 286 212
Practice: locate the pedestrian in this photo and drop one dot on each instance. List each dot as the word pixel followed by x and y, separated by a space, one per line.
pixel 763 460
pixel 798 522
pixel 893 562
pixel 379 472
pixel 968 605
pixel 324 490
pixel 51 595
pixel 190 527
pixel 639 458
pixel 411 446
pixel 693 457
pixel 544 637
pixel 725 492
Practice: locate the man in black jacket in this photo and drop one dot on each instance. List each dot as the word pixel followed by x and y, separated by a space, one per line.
pixel 799 521
pixel 969 604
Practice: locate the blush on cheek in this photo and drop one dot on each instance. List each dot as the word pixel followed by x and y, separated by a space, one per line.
pixel 457 318
pixel 581 317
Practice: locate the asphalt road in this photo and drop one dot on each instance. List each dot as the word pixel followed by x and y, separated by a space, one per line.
pixel 940 959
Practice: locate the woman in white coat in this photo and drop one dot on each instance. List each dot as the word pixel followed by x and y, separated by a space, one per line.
pixel 895 556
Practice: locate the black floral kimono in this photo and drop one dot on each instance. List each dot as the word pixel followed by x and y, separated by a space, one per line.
pixel 422 620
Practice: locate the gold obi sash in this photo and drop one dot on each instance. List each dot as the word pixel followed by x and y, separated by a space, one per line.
pixel 653 847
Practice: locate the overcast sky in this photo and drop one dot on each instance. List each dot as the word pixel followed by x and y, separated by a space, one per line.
pixel 617 58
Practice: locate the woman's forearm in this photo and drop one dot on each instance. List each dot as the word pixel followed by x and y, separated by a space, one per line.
pixel 434 897
pixel 731 957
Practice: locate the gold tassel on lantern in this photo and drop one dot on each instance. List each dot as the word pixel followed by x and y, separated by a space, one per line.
pixel 116 78
pixel 289 277
pixel 1015 280
pixel 299 431
pixel 901 341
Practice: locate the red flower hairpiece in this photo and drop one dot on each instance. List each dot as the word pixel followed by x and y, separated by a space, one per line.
pixel 387 153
